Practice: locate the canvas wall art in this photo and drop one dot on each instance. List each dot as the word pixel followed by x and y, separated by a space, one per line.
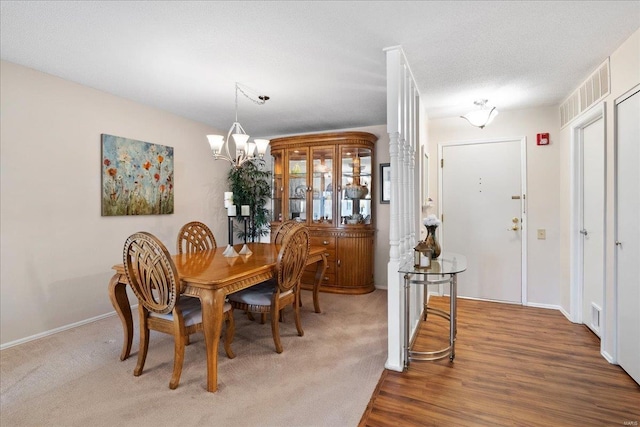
pixel 137 177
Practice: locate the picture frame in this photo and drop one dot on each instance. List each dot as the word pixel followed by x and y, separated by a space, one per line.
pixel 385 183
pixel 137 177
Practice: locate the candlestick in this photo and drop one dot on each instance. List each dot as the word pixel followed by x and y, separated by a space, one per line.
pixel 244 210
pixel 228 199
pixel 245 249
pixel 231 210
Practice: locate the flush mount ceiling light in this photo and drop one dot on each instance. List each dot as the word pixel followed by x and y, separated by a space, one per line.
pixel 483 116
pixel 245 150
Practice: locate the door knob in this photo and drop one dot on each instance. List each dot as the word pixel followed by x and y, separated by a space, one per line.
pixel 514 227
pixel 584 232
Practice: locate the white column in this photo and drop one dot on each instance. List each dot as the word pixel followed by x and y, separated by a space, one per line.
pixel 402 119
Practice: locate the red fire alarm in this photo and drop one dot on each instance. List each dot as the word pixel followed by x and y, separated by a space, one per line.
pixel 543 139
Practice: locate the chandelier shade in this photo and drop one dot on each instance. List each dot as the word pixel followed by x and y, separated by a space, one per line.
pixel 245 150
pixel 483 116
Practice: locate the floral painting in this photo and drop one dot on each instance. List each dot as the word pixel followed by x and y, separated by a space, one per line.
pixel 137 177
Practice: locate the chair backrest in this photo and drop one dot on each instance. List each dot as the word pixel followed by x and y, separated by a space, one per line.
pixel 195 236
pixel 283 229
pixel 292 258
pixel 151 272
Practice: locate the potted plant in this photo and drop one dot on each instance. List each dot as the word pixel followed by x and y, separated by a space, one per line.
pixel 250 184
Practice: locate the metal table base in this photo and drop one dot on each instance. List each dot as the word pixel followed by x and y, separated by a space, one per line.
pixel 409 353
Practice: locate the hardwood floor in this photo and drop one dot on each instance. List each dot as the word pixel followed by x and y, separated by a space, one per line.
pixel 514 366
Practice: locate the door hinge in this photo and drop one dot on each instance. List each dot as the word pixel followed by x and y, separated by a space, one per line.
pixel 442 218
pixel 441 163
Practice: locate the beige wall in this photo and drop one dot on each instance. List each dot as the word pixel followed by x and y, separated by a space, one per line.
pixel 56 249
pixel 542 195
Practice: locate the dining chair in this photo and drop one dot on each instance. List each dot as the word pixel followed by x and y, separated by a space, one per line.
pixel 283 229
pixel 154 279
pixel 195 236
pixel 274 295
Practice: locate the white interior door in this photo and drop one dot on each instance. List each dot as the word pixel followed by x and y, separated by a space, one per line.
pixel 482 216
pixel 628 234
pixel 592 229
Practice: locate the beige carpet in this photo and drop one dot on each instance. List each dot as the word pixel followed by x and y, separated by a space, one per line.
pixel 326 378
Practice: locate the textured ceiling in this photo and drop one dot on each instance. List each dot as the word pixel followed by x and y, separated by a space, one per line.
pixel 321 63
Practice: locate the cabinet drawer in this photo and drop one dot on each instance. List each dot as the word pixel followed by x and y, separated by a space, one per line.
pixel 328 242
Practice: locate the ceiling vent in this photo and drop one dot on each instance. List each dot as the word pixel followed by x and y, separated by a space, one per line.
pixel 589 93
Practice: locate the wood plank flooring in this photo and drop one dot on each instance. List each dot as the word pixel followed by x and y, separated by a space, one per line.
pixel 514 366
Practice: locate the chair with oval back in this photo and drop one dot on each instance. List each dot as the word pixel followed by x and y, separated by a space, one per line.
pixel 283 229
pixel 274 295
pixel 195 236
pixel 154 279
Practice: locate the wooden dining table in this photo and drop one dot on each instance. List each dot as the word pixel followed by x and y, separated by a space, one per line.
pixel 211 276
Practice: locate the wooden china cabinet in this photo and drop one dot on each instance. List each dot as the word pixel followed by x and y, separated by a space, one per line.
pixel 325 181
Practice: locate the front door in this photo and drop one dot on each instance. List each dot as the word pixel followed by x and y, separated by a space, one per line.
pixel 482 216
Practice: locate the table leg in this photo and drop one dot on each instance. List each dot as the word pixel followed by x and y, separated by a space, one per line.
pixel 453 296
pixel 405 346
pixel 320 270
pixel 120 302
pixel 212 313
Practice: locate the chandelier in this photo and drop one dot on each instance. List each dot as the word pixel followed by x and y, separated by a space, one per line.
pixel 245 150
pixel 483 116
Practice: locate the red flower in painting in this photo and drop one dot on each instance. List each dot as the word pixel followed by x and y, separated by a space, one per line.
pixel 147 165
pixel 107 162
pixel 157 177
pixel 112 172
pixel 160 159
pixel 162 188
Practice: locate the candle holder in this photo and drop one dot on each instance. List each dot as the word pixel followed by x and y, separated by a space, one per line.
pixel 245 249
pixel 230 252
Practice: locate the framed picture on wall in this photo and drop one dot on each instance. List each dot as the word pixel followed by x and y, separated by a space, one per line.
pixel 137 177
pixel 385 183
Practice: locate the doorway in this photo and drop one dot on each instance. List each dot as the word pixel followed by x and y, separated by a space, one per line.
pixel 588 218
pixel 482 191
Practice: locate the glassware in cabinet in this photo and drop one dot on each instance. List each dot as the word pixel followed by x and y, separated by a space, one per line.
pixel 355 184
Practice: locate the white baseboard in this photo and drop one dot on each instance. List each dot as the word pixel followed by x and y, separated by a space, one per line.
pixel 61 329
pixel 608 357
pixel 393 367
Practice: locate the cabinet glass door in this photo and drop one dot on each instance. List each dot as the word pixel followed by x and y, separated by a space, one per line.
pixel 297 185
pixel 322 185
pixel 277 186
pixel 355 194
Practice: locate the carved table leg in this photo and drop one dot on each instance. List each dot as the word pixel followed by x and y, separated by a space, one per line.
pixel 120 302
pixel 212 313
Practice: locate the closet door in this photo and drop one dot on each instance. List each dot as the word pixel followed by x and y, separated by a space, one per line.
pixel 627 232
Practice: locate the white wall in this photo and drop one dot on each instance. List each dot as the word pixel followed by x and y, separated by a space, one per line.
pixel 56 249
pixel 543 194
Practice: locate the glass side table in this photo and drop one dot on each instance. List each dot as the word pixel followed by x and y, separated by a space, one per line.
pixel 442 270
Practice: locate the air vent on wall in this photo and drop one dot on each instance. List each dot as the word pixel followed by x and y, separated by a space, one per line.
pixel 589 93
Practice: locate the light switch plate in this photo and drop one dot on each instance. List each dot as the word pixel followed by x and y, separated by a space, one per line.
pixel 542 234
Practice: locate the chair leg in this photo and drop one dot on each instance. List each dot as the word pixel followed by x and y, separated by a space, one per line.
pixel 275 330
pixel 296 310
pixel 229 333
pixel 144 341
pixel 178 358
pixel 263 318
